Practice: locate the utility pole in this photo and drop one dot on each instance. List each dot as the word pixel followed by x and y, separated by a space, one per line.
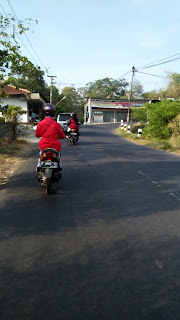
pixel 130 94
pixel 52 79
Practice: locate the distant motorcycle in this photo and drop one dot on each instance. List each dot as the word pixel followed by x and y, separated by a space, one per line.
pixel 72 135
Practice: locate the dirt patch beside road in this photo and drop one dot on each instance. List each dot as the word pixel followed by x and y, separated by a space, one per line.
pixel 13 154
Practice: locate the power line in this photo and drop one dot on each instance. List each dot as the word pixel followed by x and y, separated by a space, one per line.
pixel 158 61
pixel 153 64
pixel 19 37
pixel 162 63
pixel 155 75
pixel 27 38
pixel 125 74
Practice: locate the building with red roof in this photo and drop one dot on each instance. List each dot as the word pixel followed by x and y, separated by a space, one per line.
pixel 29 101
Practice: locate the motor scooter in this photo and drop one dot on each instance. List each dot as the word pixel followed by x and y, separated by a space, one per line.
pixel 48 171
pixel 72 135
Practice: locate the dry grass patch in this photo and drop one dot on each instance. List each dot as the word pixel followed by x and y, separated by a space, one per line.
pixel 12 154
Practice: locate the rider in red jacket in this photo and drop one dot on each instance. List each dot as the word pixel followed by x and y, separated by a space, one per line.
pixel 49 130
pixel 73 122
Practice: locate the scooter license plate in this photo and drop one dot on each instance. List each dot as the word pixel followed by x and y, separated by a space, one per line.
pixel 74 134
pixel 49 164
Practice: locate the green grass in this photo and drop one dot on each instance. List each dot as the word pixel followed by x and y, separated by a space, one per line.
pixel 171 145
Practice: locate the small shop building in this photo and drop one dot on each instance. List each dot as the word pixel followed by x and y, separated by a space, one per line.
pixel 109 110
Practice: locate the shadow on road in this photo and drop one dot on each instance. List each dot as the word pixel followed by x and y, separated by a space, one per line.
pixel 120 280
pixel 106 246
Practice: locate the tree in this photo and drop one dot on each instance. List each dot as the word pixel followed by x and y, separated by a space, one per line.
pixel 12 63
pixel 106 88
pixel 33 82
pixel 73 102
pixel 137 89
pixel 152 95
pixel 11 60
pixel 173 89
pixel 12 114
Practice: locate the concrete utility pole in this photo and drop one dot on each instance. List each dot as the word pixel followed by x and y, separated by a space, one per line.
pixel 130 94
pixel 52 79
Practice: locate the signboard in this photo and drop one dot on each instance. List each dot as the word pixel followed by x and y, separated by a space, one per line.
pixel 116 105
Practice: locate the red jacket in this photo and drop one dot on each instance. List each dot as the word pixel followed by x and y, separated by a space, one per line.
pixel 50 131
pixel 73 125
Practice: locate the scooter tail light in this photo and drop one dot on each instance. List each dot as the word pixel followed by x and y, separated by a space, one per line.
pixel 48 156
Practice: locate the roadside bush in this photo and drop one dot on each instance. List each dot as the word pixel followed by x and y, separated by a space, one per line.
pixel 175 126
pixel 175 141
pixel 140 114
pixel 159 116
pixel 12 114
pixel 2 120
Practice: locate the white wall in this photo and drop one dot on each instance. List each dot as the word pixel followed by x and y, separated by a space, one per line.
pixel 16 101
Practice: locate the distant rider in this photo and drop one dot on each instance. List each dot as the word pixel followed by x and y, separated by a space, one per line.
pixel 50 131
pixel 73 122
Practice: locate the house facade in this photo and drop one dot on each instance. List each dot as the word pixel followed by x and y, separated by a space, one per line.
pixel 28 101
pixel 109 110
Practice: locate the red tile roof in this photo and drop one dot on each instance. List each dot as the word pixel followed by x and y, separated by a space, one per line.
pixel 11 90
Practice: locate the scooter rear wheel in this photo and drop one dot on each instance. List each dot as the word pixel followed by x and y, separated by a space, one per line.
pixel 48 186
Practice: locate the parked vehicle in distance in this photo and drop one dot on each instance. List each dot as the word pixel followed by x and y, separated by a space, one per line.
pixel 62 120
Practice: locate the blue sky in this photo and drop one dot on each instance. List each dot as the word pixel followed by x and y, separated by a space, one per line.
pixel 83 41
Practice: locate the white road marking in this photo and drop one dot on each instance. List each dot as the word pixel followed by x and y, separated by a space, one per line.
pixel 159 264
pixel 158 185
pixel 141 173
pixel 173 195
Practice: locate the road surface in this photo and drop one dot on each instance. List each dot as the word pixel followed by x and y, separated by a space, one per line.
pixel 105 246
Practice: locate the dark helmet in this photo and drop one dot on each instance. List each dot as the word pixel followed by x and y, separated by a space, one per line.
pixel 49 109
pixel 73 114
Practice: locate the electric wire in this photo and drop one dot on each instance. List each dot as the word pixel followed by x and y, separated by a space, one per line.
pixel 141 67
pixel 125 74
pixel 157 64
pixel 19 38
pixel 155 75
pixel 154 65
pixel 27 38
pixel 150 65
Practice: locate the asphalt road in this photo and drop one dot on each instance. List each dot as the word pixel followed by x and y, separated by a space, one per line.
pixel 105 246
